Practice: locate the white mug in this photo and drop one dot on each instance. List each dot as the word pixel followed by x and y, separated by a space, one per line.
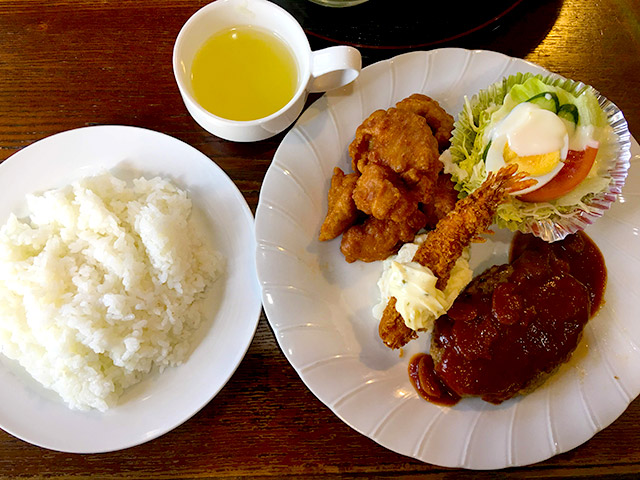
pixel 318 71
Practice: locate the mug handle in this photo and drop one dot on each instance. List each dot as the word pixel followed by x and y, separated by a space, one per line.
pixel 334 67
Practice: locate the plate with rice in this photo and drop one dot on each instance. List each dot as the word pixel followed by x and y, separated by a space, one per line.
pixel 127 296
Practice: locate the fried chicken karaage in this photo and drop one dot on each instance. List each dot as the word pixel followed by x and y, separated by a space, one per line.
pixel 440 122
pixel 397 187
pixel 377 239
pixel 399 140
pixel 342 211
pixel 380 193
pixel 443 201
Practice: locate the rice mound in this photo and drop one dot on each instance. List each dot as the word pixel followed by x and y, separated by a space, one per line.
pixel 100 284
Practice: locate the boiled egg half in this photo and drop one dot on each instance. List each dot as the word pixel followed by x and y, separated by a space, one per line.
pixel 535 139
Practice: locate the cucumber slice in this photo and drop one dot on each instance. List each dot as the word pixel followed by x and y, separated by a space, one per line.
pixel 569 112
pixel 546 100
pixel 486 150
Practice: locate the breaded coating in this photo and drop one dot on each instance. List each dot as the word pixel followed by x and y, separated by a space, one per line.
pixel 377 239
pixel 381 193
pixel 437 118
pixel 471 217
pixel 342 212
pixel 399 140
pixel 394 333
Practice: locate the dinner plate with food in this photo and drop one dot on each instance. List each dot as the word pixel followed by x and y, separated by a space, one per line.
pixel 447 257
pixel 126 295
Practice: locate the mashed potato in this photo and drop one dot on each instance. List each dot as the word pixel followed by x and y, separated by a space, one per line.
pixel 99 285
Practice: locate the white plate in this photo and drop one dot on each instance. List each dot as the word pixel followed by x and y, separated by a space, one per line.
pixel 320 307
pixel 160 402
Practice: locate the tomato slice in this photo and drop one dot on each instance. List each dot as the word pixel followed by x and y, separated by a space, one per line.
pixel 575 170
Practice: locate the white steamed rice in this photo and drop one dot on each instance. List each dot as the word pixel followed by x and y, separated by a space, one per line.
pixel 99 285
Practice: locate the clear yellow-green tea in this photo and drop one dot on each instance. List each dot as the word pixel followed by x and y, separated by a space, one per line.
pixel 244 73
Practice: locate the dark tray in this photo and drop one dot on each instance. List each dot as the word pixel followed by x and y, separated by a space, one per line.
pixel 397 24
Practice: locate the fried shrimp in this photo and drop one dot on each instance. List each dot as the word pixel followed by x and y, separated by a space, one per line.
pixel 437 118
pixel 471 217
pixel 392 330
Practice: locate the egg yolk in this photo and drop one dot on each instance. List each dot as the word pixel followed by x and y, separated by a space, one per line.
pixel 533 165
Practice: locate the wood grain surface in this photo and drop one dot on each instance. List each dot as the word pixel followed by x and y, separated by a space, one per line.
pixel 68 64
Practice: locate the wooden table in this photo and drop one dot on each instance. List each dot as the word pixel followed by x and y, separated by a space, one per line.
pixel 66 64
